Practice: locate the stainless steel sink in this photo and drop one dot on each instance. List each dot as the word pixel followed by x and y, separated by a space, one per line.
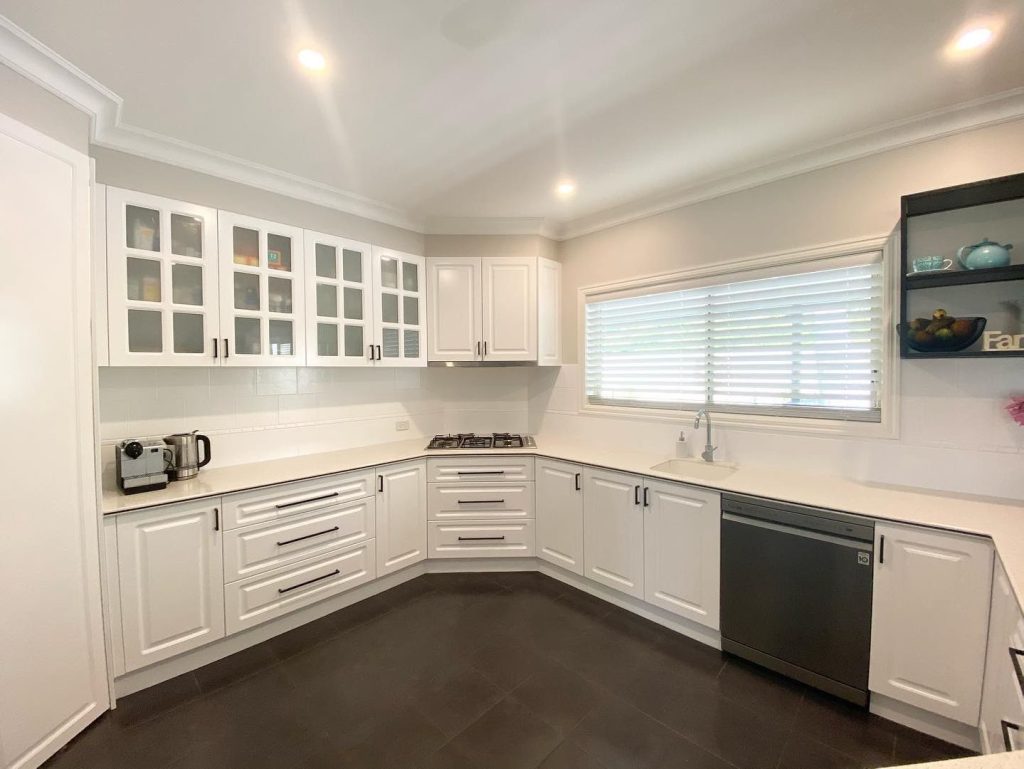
pixel 695 469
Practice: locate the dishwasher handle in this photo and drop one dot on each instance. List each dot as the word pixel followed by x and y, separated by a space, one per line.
pixel 799 532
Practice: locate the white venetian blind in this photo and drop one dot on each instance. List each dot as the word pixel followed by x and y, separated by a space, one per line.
pixel 804 343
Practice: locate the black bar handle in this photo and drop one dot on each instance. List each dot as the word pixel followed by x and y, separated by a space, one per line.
pixel 308 536
pixel 480 472
pixel 479 539
pixel 216 519
pixel 306 501
pixel 1006 726
pixel 371 352
pixel 478 348
pixel 215 348
pixel 1015 655
pixel 636 495
pixel 485 348
pixel 308 582
pixel 881 549
pixel 380 483
pixel 481 501
pixel 227 349
pixel 647 501
pixel 578 481
pixel 380 355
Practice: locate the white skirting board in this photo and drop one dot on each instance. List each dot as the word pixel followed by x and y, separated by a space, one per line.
pixel 964 735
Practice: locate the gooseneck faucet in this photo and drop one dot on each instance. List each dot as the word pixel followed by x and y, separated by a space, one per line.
pixel 708 455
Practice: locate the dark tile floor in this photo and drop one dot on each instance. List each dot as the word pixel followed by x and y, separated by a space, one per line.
pixel 491 672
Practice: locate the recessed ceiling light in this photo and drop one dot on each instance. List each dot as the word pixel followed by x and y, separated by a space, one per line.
pixel 975 38
pixel 566 188
pixel 311 59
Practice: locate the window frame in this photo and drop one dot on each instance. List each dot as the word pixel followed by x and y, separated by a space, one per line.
pixel 887 427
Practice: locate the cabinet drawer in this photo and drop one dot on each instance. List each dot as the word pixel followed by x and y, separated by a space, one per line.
pixel 480 539
pixel 272 502
pixel 261 598
pixel 258 548
pixel 465 502
pixel 479 469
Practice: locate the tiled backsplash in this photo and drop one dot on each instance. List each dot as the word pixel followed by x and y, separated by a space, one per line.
pixel 955 434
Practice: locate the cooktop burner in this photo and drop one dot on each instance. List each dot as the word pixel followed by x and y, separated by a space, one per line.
pixel 474 441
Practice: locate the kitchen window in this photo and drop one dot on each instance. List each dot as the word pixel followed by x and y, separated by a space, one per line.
pixel 803 339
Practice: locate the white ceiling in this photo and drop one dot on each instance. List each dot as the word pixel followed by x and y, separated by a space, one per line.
pixel 474 108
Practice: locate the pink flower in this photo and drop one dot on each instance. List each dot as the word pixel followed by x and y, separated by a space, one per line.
pixel 1016 409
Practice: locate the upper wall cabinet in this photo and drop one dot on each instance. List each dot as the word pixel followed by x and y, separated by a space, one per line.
pixel 261 292
pixel 398 311
pixel 500 309
pixel 161 281
pixel 339 314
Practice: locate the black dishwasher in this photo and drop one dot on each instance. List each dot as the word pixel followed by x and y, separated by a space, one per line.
pixel 796 592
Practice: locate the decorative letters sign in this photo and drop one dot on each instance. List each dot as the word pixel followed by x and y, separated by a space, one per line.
pixel 997 341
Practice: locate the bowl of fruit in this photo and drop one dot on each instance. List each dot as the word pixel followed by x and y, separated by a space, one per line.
pixel 942 332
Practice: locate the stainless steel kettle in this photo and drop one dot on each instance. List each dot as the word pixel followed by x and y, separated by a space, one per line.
pixel 185 462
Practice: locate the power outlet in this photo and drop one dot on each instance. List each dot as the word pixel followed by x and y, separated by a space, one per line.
pixel 402 425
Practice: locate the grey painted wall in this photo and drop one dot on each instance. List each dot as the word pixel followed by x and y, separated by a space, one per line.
pixel 34 106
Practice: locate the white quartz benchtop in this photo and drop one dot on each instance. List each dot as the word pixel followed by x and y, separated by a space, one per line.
pixel 1013 760
pixel 1002 520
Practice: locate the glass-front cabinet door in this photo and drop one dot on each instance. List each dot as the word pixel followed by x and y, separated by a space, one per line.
pixel 339 312
pixel 261 292
pixel 161 281
pixel 399 316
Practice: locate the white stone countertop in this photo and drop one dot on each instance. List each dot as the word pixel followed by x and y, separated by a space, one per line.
pixel 1000 519
pixel 1013 760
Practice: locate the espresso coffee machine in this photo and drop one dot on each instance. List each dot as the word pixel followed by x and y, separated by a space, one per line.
pixel 185 462
pixel 141 465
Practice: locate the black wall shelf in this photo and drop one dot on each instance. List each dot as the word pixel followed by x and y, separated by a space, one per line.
pixel 963 277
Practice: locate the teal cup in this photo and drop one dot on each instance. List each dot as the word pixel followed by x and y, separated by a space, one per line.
pixel 931 263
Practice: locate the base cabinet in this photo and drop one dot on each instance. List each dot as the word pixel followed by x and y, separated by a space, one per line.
pixel 401 515
pixel 1002 702
pixel 613 530
pixel 930 619
pixel 682 548
pixel 560 514
pixel 171 581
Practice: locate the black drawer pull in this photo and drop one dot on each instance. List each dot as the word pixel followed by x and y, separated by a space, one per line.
pixel 1006 727
pixel 308 582
pixel 1015 655
pixel 479 539
pixel 881 549
pixel 481 501
pixel 306 501
pixel 480 472
pixel 308 536
pixel 578 481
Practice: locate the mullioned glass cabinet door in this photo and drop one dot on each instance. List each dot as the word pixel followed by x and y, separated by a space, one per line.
pixel 339 310
pixel 399 314
pixel 161 281
pixel 262 292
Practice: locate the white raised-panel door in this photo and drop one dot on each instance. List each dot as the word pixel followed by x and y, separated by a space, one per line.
pixel 559 507
pixel 399 315
pixel 161 281
pixel 510 308
pixel 682 543
pixel 262 278
pixel 339 305
pixel 454 323
pixel 53 673
pixel 172 580
pixel 613 530
pixel 1002 696
pixel 549 312
pixel 401 515
pixel 930 619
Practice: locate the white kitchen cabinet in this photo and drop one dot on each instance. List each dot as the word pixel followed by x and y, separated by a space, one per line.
pixel 401 515
pixel 1002 700
pixel 262 292
pixel 930 619
pixel 481 539
pixel 613 530
pixel 171 578
pixel 560 513
pixel 162 280
pixel 494 309
pixel 399 292
pixel 339 307
pixel 682 547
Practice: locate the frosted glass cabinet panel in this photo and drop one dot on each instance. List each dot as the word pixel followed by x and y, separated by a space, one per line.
pixel 262 292
pixel 339 313
pixel 161 281
pixel 398 311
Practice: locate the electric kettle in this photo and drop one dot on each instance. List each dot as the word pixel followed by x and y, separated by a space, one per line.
pixel 185 462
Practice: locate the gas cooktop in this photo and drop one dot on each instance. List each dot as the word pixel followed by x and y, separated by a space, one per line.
pixel 490 441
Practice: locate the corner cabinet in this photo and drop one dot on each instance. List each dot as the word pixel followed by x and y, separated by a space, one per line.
pixel 560 514
pixel 170 571
pixel 162 281
pixel 494 309
pixel 930 619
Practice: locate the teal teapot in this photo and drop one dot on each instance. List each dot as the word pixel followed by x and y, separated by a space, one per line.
pixel 984 255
